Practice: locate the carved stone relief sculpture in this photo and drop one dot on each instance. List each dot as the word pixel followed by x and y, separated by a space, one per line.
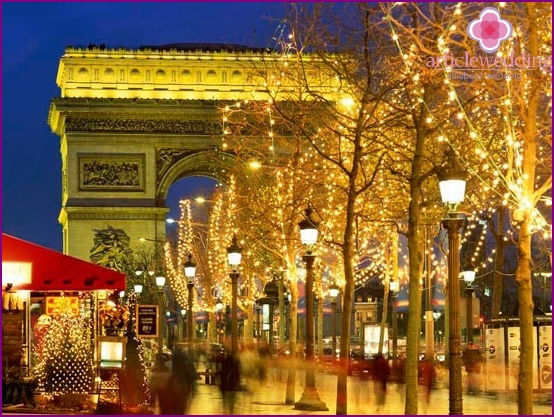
pixel 196 127
pixel 120 172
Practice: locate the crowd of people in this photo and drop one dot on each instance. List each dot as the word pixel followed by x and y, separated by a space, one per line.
pixel 175 387
pixel 247 369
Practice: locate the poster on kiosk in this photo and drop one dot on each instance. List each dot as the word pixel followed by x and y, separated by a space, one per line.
pixel 495 378
pixel 514 347
pixel 545 357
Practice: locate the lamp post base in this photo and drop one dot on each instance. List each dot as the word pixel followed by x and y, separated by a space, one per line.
pixel 310 401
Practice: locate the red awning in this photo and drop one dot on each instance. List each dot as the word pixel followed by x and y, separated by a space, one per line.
pixel 53 271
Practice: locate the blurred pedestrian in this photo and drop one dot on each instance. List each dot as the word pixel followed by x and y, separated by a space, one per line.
pixel 472 359
pixel 381 372
pixel 264 358
pixel 399 368
pixel 252 368
pixel 229 382
pixel 175 395
pixel 428 375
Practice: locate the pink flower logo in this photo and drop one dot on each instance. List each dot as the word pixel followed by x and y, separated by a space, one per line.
pixel 489 29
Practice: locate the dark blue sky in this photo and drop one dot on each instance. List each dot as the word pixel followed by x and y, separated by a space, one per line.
pixel 34 36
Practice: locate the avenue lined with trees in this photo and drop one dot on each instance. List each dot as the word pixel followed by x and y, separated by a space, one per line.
pixel 367 159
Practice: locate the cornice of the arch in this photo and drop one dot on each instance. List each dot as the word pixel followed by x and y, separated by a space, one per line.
pixel 186 74
pixel 176 163
pixel 76 103
pixel 112 213
pixel 134 115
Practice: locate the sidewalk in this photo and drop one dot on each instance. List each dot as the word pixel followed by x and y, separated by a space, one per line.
pixel 269 399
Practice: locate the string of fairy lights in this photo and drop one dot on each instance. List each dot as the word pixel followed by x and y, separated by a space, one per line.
pixel 285 176
pixel 65 364
pixel 208 247
pixel 509 173
pixel 369 233
pixel 66 360
pixel 332 211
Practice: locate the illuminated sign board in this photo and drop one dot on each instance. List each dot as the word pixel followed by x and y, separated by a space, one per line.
pixel 111 352
pixel 16 273
pixel 147 320
pixel 62 305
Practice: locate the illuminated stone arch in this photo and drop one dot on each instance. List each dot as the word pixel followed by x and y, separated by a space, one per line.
pixel 124 141
pixel 210 163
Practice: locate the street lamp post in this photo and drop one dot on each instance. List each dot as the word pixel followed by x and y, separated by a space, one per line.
pixel 308 235
pixel 220 321
pixel 468 273
pixel 190 272
pixel 133 300
pixel 437 315
pixel 429 323
pixel 334 292
pixel 160 282
pixel 219 308
pixel 394 287
pixel 452 181
pixel 234 254
pixel 184 325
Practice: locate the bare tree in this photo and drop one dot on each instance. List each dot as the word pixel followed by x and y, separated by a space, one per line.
pixel 367 153
pixel 514 147
pixel 343 133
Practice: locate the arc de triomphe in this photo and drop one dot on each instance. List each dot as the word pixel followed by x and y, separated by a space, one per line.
pixel 132 122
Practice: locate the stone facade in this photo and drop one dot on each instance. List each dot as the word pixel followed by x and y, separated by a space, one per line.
pixel 182 73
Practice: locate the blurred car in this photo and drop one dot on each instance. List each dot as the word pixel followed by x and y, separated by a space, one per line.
pixel 328 360
pixel 286 353
pixel 360 364
pixel 366 371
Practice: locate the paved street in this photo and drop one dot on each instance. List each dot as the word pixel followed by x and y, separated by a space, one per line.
pixel 269 398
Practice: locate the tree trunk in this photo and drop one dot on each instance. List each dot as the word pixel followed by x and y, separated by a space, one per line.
pixel 212 327
pixel 524 290
pixel 384 317
pixel 414 316
pixel 527 201
pixel 282 318
pixel 293 331
pixel 342 376
pixel 415 246
pixel 498 277
pixel 248 326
